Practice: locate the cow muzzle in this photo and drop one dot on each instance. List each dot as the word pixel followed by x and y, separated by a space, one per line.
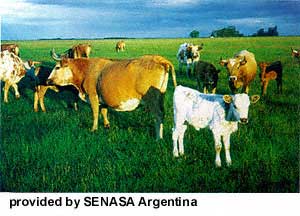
pixel 49 82
pixel 232 78
pixel 244 120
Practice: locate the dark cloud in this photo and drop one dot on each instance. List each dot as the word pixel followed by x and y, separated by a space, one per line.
pixel 153 18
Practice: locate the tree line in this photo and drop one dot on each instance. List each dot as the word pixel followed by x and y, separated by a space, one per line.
pixel 231 31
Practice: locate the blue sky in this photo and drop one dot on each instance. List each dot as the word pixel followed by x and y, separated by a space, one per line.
pixel 36 19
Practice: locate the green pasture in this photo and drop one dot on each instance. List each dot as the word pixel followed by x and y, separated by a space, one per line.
pixel 56 152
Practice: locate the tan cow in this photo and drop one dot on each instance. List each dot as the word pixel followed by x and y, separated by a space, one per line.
pixel 120 46
pixel 241 70
pixel 120 85
pixel 78 51
pixel 14 48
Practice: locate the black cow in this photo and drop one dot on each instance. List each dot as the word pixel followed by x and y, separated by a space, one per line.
pixel 207 74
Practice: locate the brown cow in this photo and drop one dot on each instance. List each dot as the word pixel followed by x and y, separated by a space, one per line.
pixel 241 70
pixel 14 48
pixel 270 71
pixel 77 51
pixel 120 46
pixel 120 85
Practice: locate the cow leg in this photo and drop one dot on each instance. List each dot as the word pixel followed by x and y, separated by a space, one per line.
pixel 104 110
pixel 279 86
pixel 188 70
pixel 6 89
pixel 95 109
pixel 15 86
pixel 226 140
pixel 218 147
pixel 214 90
pixel 180 67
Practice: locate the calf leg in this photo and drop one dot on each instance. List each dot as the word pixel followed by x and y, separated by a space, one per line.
pixel 279 86
pixel 188 70
pixel 218 148
pixel 226 140
pixel 264 87
pixel 177 136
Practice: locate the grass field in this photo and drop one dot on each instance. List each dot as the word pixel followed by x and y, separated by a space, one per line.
pixel 56 152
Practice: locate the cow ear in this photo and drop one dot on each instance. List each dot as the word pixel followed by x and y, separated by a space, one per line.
pixel 243 61
pixel 227 99
pixel 223 62
pixel 254 99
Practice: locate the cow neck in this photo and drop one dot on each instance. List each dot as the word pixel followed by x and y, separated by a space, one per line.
pixel 80 69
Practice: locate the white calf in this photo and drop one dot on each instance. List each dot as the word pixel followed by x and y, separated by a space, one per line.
pixel 220 113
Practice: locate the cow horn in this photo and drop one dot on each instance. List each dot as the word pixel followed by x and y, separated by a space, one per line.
pixel 54 55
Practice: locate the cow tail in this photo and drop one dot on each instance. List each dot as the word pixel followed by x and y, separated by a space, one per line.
pixel 173 75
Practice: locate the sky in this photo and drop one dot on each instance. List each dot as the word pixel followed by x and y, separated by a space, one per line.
pixel 44 19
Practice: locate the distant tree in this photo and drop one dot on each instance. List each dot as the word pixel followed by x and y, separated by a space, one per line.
pixel 194 34
pixel 229 31
pixel 272 31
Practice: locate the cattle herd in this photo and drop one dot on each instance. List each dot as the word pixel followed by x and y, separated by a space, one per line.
pixel 122 85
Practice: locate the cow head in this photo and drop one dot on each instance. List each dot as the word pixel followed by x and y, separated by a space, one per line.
pixel 193 51
pixel 211 78
pixel 238 106
pixel 233 68
pixel 295 53
pixel 61 74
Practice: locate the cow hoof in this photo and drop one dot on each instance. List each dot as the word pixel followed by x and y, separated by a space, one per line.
pixel 218 164
pixel 107 126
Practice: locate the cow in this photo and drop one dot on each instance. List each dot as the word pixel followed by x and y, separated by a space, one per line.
pixel 241 70
pixel 207 74
pixel 188 54
pixel 120 85
pixel 270 71
pixel 14 48
pixel 295 54
pixel 77 51
pixel 40 76
pixel 12 70
pixel 120 46
pixel 221 113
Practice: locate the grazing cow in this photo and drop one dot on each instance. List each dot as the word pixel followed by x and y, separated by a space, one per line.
pixel 120 46
pixel 241 70
pixel 188 54
pixel 12 70
pixel 207 74
pixel 220 113
pixel 41 75
pixel 14 48
pixel 120 85
pixel 296 54
pixel 270 71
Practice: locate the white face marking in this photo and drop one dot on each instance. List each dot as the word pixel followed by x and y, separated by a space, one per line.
pixel 242 102
pixel 129 105
pixel 61 76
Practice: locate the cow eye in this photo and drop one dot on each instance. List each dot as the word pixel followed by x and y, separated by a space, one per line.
pixel 57 67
